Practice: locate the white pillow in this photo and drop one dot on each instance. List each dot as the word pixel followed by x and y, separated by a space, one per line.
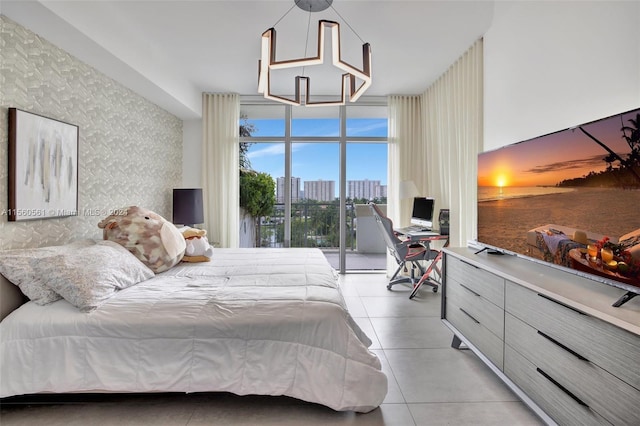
pixel 16 267
pixel 87 278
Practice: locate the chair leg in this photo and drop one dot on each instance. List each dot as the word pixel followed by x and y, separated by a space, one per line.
pixel 408 280
pixel 412 280
pixel 397 271
pixel 427 279
pixel 420 268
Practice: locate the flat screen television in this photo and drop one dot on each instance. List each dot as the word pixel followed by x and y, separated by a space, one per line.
pixel 422 213
pixel 570 198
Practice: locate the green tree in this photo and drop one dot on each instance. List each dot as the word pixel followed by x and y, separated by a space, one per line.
pixel 257 196
pixel 246 130
pixel 257 189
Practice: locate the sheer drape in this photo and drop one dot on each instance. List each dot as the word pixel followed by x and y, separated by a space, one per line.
pixel 406 152
pixel 434 140
pixel 220 175
pixel 452 125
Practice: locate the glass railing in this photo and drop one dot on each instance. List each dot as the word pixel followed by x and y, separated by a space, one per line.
pixel 313 224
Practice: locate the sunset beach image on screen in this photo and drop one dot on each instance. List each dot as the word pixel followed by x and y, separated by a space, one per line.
pixel 585 178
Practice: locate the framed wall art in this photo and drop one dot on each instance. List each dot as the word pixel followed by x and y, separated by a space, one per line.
pixel 43 167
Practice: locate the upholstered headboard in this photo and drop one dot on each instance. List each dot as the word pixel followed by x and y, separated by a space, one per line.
pixel 10 297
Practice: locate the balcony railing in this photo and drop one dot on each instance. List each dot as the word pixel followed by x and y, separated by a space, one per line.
pixel 317 224
pixel 313 224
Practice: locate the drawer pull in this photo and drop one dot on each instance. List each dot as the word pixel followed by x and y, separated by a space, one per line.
pixel 467 263
pixel 468 289
pixel 469 315
pixel 561 304
pixel 562 388
pixel 571 351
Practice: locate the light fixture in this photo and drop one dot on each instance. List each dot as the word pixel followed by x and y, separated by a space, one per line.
pixel 187 206
pixel 354 81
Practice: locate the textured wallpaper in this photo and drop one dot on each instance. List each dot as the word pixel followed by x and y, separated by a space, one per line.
pixel 130 150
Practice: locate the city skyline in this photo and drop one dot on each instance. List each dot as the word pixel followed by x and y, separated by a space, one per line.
pixel 321 189
pixel 312 161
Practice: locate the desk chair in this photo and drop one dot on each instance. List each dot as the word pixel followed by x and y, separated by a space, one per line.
pixel 407 253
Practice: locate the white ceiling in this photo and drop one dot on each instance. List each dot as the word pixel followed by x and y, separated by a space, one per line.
pixel 170 51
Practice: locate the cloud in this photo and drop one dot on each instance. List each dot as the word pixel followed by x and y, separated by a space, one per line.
pixel 595 161
pixel 367 130
pixel 269 150
pixel 266 151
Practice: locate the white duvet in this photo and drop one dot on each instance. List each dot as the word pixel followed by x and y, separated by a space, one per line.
pixel 250 321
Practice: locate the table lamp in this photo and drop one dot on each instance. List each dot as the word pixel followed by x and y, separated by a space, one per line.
pixel 187 206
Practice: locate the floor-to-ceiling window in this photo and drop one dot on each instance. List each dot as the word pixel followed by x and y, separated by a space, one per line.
pixel 326 163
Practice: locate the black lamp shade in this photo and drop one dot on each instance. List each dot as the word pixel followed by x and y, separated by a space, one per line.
pixel 187 206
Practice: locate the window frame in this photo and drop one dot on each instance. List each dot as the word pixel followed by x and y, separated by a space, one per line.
pixel 342 139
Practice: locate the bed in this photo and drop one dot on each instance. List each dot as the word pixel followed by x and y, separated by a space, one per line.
pixel 250 321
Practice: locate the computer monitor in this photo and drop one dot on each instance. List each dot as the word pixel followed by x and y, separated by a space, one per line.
pixel 422 214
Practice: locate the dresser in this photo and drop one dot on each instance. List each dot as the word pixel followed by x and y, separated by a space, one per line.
pixel 551 336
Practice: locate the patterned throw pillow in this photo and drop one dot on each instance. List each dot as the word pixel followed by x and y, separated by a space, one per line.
pixel 16 267
pixel 88 278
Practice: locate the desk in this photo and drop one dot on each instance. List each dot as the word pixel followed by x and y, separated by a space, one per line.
pixel 425 238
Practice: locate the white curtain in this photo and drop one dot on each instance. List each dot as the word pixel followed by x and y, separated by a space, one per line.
pixel 453 130
pixel 220 174
pixel 405 151
pixel 405 155
pixel 434 140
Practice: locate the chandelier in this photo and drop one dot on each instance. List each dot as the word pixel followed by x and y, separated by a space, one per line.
pixel 353 83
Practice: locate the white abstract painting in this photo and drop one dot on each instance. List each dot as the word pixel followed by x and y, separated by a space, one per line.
pixel 43 167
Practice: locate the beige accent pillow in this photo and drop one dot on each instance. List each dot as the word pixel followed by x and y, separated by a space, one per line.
pixel 88 278
pixel 16 267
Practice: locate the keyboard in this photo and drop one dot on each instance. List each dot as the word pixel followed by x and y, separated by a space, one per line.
pixel 414 228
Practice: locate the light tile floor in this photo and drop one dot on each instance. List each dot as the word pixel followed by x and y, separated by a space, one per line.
pixel 429 382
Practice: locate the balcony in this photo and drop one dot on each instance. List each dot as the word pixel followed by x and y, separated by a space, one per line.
pixel 317 224
pixel 357 261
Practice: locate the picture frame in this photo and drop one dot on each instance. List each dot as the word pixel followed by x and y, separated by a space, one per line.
pixel 43 167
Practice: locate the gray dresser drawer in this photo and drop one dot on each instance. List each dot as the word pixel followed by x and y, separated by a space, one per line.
pixel 484 283
pixel 613 399
pixel 486 342
pixel 489 315
pixel 540 386
pixel 609 347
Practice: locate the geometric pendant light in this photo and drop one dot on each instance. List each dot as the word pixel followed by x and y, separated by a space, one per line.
pixel 354 81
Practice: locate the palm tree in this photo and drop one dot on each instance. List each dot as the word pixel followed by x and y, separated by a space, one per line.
pixel 633 139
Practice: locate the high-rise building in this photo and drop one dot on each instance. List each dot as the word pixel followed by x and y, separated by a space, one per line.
pixel 295 190
pixel 280 190
pixel 320 190
pixel 382 191
pixel 367 189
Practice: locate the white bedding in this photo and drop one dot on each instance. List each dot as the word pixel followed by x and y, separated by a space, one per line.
pixel 251 321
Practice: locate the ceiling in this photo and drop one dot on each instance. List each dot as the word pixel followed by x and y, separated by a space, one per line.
pixel 170 51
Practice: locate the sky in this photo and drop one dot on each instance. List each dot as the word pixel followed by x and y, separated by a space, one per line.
pixel 320 160
pixel 549 159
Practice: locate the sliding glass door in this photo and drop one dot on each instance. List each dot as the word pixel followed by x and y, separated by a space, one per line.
pixel 325 166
